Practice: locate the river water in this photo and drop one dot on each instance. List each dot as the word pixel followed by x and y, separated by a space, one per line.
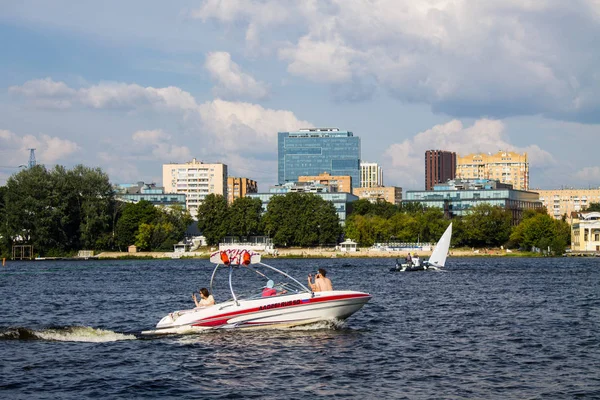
pixel 485 328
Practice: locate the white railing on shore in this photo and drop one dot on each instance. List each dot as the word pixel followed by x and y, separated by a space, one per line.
pixel 402 246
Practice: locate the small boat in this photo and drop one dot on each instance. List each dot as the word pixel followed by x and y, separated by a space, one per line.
pixel 435 262
pixel 294 304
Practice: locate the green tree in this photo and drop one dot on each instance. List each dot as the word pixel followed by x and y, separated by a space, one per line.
pixel 4 241
pixel 213 218
pixel 540 230
pixel 301 219
pixel 487 225
pixel 132 216
pixel 95 203
pixel 245 216
pixel 593 207
pixel 361 207
pixel 32 207
pixel 164 231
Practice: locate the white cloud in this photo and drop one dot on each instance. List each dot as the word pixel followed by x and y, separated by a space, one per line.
pixel 404 163
pixel 14 149
pixel 220 126
pixel 246 128
pixel 47 93
pixel 259 15
pixel 589 175
pixel 161 146
pixel 231 81
pixel 320 61
pixel 497 58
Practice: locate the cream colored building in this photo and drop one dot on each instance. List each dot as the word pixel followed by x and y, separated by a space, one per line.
pixel 239 187
pixel 561 202
pixel 371 175
pixel 197 180
pixel 504 166
pixel 585 232
pixel 391 194
pixel 343 183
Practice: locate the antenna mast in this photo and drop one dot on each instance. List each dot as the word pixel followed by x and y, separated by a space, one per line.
pixel 32 162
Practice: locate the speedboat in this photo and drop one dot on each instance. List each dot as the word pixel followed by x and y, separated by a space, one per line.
pixel 435 262
pixel 292 305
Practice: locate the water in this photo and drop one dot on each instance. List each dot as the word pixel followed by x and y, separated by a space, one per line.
pixel 493 328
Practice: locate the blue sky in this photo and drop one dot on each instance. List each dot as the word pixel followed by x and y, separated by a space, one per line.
pixel 128 86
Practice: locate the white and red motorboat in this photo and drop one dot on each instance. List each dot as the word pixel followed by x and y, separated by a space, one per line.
pixel 294 305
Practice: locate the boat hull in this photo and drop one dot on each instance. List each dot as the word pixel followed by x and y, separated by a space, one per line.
pixel 267 312
pixel 411 268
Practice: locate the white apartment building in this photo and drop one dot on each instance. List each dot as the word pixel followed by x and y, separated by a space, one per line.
pixel 371 175
pixel 561 202
pixel 196 180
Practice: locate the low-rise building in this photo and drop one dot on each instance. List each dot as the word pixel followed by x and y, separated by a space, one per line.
pixel 341 200
pixel 457 197
pixel 585 232
pixel 391 194
pixel 341 183
pixel 135 192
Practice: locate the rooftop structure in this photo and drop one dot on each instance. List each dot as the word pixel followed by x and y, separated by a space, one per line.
pixel 135 192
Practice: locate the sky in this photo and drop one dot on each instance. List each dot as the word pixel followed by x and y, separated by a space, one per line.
pixel 130 85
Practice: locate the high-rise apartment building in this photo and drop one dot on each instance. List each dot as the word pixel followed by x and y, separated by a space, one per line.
pixel 504 166
pixel 310 152
pixel 560 202
pixel 197 180
pixel 239 187
pixel 371 175
pixel 338 183
pixel 440 167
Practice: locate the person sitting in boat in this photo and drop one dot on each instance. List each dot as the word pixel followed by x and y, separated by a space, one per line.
pixel 269 290
pixel 416 260
pixel 206 299
pixel 321 283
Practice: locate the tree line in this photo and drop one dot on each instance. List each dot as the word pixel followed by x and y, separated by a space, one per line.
pixel 484 226
pixel 60 211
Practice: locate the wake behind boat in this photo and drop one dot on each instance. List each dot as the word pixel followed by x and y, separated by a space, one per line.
pixel 435 262
pixel 294 304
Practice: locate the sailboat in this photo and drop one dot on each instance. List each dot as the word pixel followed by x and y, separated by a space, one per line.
pixel 435 262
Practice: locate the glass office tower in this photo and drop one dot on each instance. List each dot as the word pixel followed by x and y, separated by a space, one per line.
pixel 310 152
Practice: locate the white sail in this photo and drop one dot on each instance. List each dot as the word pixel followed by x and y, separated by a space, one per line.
pixel 440 252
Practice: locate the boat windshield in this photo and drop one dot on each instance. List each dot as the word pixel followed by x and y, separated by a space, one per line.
pixel 248 281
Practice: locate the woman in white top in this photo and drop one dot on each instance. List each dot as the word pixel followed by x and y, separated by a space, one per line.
pixel 206 300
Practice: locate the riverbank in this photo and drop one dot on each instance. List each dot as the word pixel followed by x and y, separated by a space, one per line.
pixel 323 253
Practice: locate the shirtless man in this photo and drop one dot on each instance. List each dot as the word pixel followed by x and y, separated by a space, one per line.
pixel 322 283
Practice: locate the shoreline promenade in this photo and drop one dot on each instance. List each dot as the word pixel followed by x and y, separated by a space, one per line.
pixel 320 253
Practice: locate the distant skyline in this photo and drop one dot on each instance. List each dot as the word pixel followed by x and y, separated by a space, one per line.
pixel 129 86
